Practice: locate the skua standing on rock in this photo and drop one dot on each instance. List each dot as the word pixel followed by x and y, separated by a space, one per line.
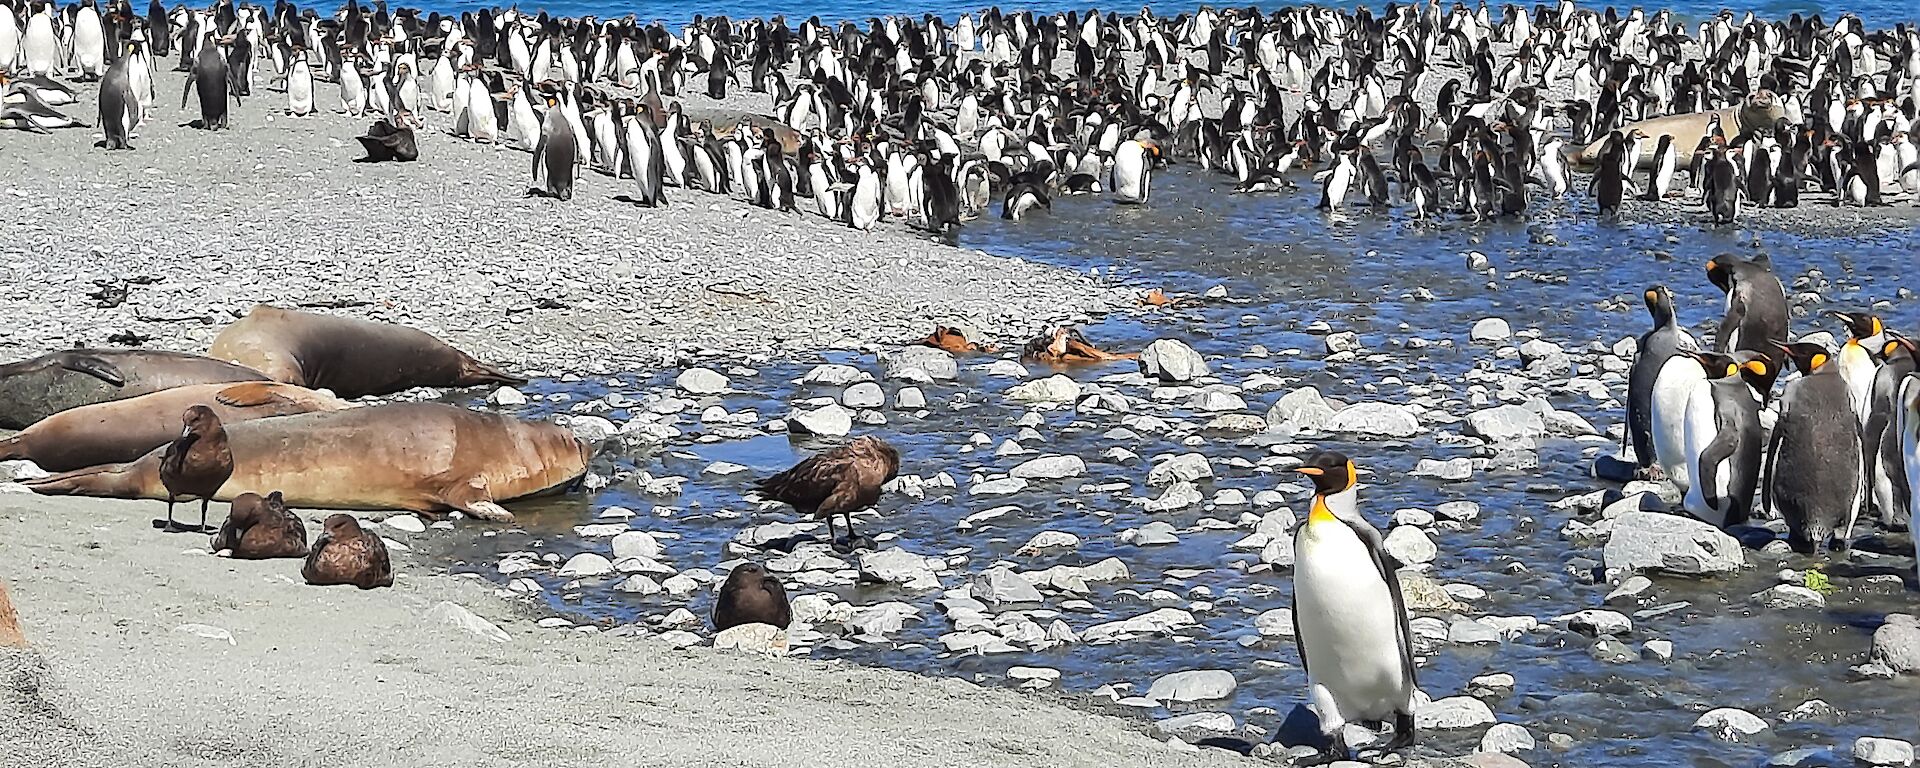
pixel 839 481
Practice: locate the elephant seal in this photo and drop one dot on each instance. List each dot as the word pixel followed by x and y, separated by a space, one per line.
pixel 347 554
pixel 31 390
pixel 353 358
pixel 423 457
pixel 261 529
pixel 1760 109
pixel 123 430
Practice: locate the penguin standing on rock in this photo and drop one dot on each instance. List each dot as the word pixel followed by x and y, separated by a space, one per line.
pixel 1657 346
pixel 1813 478
pixel 1350 619
pixel 1724 439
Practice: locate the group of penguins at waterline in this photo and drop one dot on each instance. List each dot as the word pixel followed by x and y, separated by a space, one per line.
pixel 936 121
pixel 1839 442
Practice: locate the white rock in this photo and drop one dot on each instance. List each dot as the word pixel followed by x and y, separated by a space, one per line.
pixel 1050 468
pixel 830 420
pixel 1506 738
pixel 1451 713
pixel 408 523
pixel 636 544
pixel 1870 750
pixel 1178 496
pixel 507 397
pixel 921 364
pixel 1491 329
pixel 1000 585
pixel 207 632
pixel 835 375
pixel 865 394
pixel 701 381
pixel 585 565
pixel 1172 361
pixel 638 585
pixel 1193 685
pixel 753 638
pixel 462 619
pixel 1374 419
pixel 909 399
pixel 1046 540
pixel 1729 724
pixel 592 429
pixel 1057 388
pixel 1186 467
pixel 1410 545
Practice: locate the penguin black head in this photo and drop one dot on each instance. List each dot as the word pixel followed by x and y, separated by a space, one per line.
pixel 1862 325
pixel 1896 346
pixel 1718 365
pixel 1810 358
pixel 1759 371
pixel 1720 271
pixel 1660 304
pixel 1332 472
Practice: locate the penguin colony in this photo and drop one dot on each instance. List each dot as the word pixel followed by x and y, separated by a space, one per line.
pixel 934 122
pixel 1840 442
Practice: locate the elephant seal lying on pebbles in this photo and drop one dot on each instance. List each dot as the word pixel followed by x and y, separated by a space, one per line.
pixel 353 358
pixel 421 457
pixel 1760 109
pixel 31 390
pixel 124 430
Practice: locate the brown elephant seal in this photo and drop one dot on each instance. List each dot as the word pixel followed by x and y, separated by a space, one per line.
pixel 347 554
pixel 1067 346
pixel 1760 109
pixel 352 358
pixel 123 430
pixel 750 596
pixel 421 457
pixel 260 528
pixel 31 390
pixel 10 636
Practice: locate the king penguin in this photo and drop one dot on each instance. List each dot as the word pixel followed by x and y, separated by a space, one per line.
pixel 119 105
pixel 1350 619
pixel 209 77
pixel 1887 477
pixel 556 155
pixel 1756 312
pixel 1907 427
pixel 1656 347
pixel 1857 365
pixel 1813 477
pixel 1724 439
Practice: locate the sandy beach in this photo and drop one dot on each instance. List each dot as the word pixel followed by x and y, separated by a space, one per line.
pixel 327 677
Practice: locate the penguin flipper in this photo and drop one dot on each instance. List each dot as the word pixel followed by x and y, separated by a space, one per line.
pixel 1708 479
pixel 1389 569
pixel 95 367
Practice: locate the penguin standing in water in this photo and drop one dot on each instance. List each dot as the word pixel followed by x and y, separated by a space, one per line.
pixel 1857 365
pixel 1813 478
pixel 1350 619
pixel 1724 439
pixel 1657 346
pixel 1756 312
pixel 209 77
pixel 1906 426
pixel 1887 477
pixel 1609 183
pixel 1660 175
pixel 555 155
pixel 1335 182
pixel 1133 170
pixel 940 202
pixel 119 105
pixel 1024 196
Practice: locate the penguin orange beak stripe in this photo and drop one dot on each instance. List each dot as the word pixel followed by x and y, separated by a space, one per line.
pixel 1315 471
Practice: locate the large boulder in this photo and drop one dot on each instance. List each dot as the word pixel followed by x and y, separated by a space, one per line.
pixel 1303 408
pixel 1172 361
pixel 1662 543
pixel 1507 422
pixel 1374 420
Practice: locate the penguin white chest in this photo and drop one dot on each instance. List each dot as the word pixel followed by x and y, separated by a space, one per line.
pixel 1347 628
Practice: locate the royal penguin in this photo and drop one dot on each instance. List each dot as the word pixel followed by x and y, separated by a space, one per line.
pixel 1350 619
pixel 1814 470
pixel 299 85
pixel 1337 181
pixel 1666 339
pixel 1022 197
pixel 1724 438
pixel 1660 173
pixel 1756 305
pixel 864 205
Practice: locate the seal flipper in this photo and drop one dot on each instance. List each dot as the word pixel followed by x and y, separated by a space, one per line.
pixel 476 500
pixel 474 372
pixel 252 394
pixel 95 367
pixel 114 481
pixel 10 449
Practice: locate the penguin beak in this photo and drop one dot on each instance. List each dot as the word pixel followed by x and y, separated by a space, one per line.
pixel 1314 471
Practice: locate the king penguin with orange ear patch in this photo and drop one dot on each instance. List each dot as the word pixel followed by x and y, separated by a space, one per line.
pixel 1857 365
pixel 1814 470
pixel 1350 620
